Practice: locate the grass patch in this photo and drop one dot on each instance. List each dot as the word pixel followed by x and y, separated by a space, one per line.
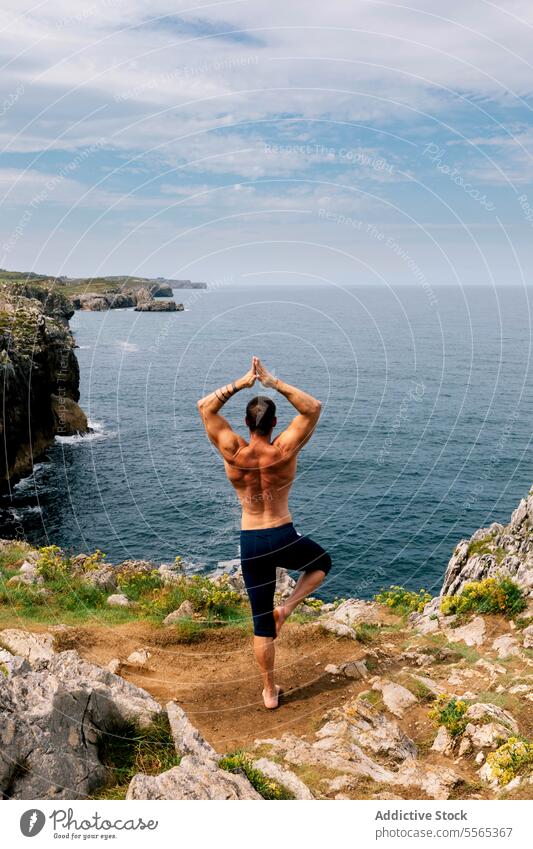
pixel 266 787
pixel 403 601
pixel 421 691
pixel 69 593
pixel 131 750
pixel 372 697
pixel 366 632
pixel 12 554
pixel 469 653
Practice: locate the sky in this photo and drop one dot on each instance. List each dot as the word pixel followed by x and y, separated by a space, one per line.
pixel 358 142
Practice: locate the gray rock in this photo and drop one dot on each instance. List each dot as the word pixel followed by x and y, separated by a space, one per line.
pixel 490 735
pixel 285 777
pixel 284 584
pixel 194 778
pixel 506 646
pixel 354 669
pixel 29 571
pixel 507 553
pixel 397 699
pixel 443 742
pixel 338 628
pixel 487 711
pixel 187 738
pixel 473 633
pixel 139 658
pixel 113 699
pixel 158 305
pixel 51 718
pixel 103 578
pixel 373 730
pixel 36 648
pixel 184 611
pixel 119 600
pixel 354 611
pixel 527 633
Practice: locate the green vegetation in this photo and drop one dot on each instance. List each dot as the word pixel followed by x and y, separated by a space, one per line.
pixel 131 750
pixel 266 787
pixel 515 757
pixel 486 546
pixel 421 691
pixel 403 601
pixel 449 712
pixel 67 588
pixel 366 632
pixel 492 595
pixel 138 583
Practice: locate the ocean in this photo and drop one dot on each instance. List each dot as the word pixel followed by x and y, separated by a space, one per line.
pixel 424 436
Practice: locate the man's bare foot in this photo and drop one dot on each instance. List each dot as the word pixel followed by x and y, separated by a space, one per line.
pixel 272 700
pixel 280 616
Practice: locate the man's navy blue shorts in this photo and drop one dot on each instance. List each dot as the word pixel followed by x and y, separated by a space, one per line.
pixel 262 551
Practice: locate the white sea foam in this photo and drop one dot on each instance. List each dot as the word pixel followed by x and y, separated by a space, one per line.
pixel 98 432
pixel 29 482
pixel 128 347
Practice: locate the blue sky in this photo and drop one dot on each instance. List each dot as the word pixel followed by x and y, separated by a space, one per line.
pixel 359 142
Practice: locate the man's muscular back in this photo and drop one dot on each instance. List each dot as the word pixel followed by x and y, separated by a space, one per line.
pixel 262 475
pixel 261 471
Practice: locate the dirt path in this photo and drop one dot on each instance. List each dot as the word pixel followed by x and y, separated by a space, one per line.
pixel 216 682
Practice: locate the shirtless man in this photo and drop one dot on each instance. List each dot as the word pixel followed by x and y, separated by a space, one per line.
pixel 262 471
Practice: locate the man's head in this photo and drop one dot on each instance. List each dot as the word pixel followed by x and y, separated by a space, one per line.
pixel 261 415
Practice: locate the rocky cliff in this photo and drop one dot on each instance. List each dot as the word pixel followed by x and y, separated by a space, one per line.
pixel 143 299
pixel 402 697
pixel 39 375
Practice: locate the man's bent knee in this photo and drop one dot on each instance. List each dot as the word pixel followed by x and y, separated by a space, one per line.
pixel 321 564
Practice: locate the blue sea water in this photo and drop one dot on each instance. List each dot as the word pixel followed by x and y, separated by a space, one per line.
pixel 424 437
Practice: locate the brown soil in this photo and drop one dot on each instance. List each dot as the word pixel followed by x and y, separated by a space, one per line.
pixel 216 681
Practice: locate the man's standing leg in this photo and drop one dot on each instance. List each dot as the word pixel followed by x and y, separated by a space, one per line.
pixel 265 654
pixel 260 581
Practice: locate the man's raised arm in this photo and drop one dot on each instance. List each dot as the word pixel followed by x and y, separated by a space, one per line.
pixel 302 426
pixel 217 427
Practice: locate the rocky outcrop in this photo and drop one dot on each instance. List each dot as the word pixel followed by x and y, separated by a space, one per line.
pixel 496 551
pixel 98 302
pixel 141 299
pixel 39 376
pixel 54 707
pixel 198 775
pixel 158 306
pixel 194 778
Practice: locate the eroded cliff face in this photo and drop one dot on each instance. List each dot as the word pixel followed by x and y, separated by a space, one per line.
pixel 39 376
pixel 499 550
